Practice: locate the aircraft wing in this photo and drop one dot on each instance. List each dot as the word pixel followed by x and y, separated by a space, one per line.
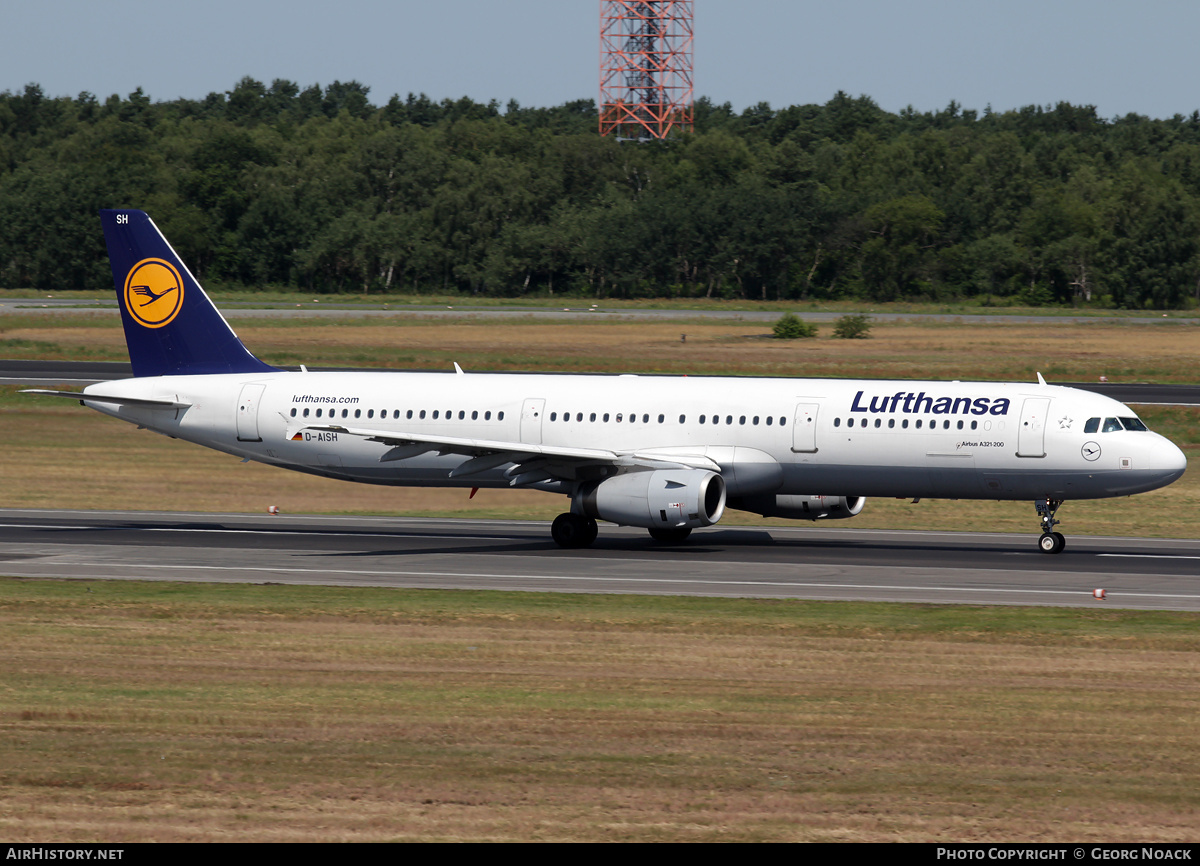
pixel 100 398
pixel 531 463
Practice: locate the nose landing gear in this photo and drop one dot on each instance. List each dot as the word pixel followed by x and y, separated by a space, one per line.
pixel 1051 541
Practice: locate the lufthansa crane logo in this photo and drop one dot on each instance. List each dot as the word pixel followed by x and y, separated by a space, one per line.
pixel 153 293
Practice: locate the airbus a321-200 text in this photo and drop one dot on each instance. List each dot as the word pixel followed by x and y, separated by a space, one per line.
pixel 666 453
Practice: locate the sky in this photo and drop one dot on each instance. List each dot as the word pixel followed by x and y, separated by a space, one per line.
pixel 1121 56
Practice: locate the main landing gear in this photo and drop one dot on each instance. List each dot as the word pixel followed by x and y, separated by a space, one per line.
pixel 573 530
pixel 1051 541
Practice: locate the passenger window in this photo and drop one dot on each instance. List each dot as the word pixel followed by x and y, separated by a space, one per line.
pixel 422 414
pixel 593 418
pixel 293 413
pixel 702 417
pixel 475 416
pixel 782 422
pixel 553 416
pixel 683 419
pixel 849 422
pixel 305 413
pixel 662 418
pixel 974 425
pixel 500 415
pixel 435 414
pixel 728 419
pixel 837 422
pixel 960 425
pixel 605 417
pixel 891 423
pixel 318 413
pixel 409 415
pixel 878 423
pixel 904 424
pixel 1092 425
pixel 1111 425
pixel 487 416
pixel 770 420
pixel 755 421
pixel 918 423
pixel 462 415
pixel 578 416
pixel 946 424
pixel 358 413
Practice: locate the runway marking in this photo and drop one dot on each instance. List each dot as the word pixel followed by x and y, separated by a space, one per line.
pixel 731 582
pixel 1148 555
pixel 219 531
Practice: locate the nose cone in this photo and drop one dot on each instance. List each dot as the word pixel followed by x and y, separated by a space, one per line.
pixel 1169 460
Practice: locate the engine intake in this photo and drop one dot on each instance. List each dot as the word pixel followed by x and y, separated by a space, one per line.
pixel 802 507
pixel 658 498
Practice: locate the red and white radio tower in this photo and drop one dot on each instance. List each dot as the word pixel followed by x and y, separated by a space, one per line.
pixel 645 68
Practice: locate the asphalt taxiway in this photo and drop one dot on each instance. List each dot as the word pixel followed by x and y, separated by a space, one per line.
pixel 818 562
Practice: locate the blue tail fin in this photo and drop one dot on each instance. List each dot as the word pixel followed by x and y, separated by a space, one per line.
pixel 171 327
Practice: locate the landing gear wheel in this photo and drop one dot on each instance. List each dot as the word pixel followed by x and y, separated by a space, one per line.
pixel 573 531
pixel 670 536
pixel 1052 542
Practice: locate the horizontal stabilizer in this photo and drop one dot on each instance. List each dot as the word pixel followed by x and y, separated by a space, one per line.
pixel 100 398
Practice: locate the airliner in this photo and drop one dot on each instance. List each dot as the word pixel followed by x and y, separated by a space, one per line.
pixel 665 453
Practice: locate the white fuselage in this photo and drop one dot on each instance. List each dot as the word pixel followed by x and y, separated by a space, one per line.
pixel 770 436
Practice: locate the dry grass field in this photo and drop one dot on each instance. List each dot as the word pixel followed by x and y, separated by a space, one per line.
pixel 1150 351
pixel 135 712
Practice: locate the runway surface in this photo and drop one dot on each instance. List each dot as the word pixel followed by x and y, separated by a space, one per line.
pixel 818 562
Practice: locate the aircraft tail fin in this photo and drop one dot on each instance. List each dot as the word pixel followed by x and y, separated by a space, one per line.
pixel 171 326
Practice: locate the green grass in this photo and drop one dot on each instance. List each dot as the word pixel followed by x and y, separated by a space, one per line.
pixel 289 297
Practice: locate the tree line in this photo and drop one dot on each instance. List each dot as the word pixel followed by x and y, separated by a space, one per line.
pixel 318 189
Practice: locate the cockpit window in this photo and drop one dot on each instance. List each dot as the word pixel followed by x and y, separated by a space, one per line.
pixel 1092 425
pixel 1134 424
pixel 1111 425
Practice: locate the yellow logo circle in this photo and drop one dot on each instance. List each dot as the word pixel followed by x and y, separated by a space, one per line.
pixel 153 293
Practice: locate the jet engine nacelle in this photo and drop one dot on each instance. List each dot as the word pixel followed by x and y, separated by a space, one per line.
pixel 802 507
pixel 658 498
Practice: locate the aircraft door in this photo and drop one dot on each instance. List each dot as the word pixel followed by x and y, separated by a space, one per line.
pixel 531 420
pixel 1031 438
pixel 804 428
pixel 247 413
